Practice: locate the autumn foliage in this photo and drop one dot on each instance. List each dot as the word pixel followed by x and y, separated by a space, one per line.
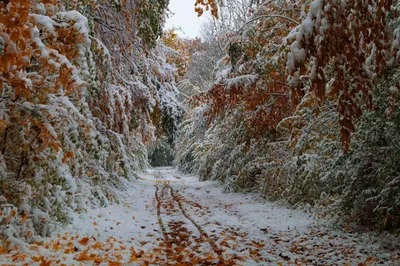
pixel 306 93
pixel 208 5
pixel 75 115
pixel 355 42
pixel 177 51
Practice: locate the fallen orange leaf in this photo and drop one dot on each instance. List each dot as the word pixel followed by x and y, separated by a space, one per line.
pixel 45 262
pixel 56 246
pixel 69 251
pixel 2 250
pixel 118 256
pixel 19 257
pixel 84 256
pixel 84 241
pixel 36 259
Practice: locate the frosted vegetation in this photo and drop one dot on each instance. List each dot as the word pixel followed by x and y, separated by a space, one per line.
pixel 293 100
pixel 82 95
pixel 303 106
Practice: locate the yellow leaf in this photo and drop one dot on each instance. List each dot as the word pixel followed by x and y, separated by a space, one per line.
pixel 84 256
pixel 69 251
pixel 56 246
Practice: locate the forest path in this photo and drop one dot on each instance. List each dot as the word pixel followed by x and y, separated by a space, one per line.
pixel 167 218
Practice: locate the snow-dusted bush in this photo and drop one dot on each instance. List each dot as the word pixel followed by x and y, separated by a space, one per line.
pixel 296 111
pixel 368 177
pixel 76 105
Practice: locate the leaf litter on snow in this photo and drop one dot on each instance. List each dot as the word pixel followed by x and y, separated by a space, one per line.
pixel 200 225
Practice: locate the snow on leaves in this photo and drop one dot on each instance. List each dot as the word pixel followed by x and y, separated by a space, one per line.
pixel 74 113
pixel 321 73
pixel 343 48
pixel 208 5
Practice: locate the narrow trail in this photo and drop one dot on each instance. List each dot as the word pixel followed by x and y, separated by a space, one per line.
pixel 166 218
pixel 181 235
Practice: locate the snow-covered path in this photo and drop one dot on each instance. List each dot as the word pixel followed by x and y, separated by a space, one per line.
pixel 170 219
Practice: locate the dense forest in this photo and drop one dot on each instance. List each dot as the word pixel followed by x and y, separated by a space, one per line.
pixel 302 104
pixel 85 90
pixel 292 100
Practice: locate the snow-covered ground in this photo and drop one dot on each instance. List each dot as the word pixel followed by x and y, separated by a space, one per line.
pixel 167 218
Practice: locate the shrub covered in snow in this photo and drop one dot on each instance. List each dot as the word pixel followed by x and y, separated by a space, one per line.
pixel 76 102
pixel 304 107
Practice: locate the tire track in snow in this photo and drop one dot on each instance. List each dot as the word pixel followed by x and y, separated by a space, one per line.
pixel 199 228
pixel 178 237
pixel 161 223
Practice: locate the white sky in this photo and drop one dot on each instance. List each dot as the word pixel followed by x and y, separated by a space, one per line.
pixel 184 17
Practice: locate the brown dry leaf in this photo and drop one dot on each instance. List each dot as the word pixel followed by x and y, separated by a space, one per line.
pixel 24 218
pixel 69 251
pixel 20 257
pixel 84 241
pixel 2 250
pixel 114 263
pixel 8 218
pixel 94 223
pixel 118 256
pixel 36 259
pixel 133 258
pixel 45 262
pixel 84 256
pixel 3 125
pixel 97 245
pixel 371 259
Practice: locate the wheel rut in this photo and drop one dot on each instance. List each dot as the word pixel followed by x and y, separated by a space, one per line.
pixel 218 251
pixel 181 244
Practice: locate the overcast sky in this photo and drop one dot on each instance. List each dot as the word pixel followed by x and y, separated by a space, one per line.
pixel 184 17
